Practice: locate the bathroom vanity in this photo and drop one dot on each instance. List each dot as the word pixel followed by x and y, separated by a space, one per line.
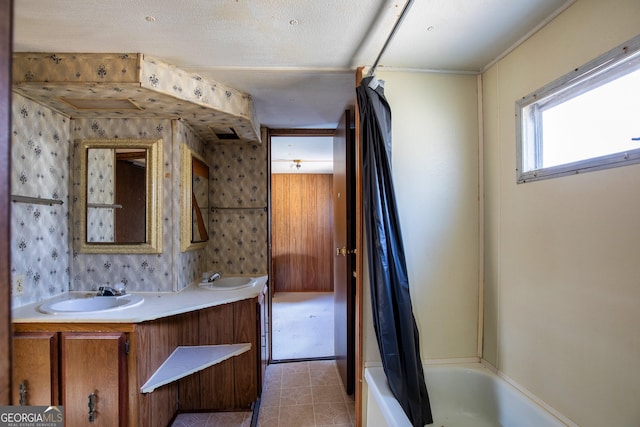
pixel 96 364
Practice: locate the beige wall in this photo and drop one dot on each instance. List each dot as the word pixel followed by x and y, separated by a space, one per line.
pixel 562 273
pixel 435 172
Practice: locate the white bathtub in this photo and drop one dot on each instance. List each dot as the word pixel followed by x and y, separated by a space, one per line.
pixel 461 395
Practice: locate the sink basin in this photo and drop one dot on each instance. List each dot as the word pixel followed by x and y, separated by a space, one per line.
pixel 229 283
pixel 95 304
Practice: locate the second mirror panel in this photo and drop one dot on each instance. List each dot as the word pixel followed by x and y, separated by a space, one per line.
pixel 200 200
pixel 194 210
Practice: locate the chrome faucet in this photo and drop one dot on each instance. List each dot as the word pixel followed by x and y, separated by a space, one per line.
pixel 108 291
pixel 214 276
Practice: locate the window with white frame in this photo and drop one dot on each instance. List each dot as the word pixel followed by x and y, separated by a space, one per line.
pixel 587 120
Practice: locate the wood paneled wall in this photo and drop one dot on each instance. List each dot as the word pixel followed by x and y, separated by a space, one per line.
pixel 302 232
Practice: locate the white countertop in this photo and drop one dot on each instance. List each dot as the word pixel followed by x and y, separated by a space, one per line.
pixel 155 305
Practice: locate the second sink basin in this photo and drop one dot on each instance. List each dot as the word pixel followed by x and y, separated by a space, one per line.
pixel 95 304
pixel 228 283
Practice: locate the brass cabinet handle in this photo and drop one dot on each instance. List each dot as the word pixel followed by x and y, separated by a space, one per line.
pixel 92 407
pixel 23 393
pixel 343 251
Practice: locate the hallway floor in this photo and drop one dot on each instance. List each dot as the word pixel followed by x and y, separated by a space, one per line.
pixel 296 394
pixel 302 325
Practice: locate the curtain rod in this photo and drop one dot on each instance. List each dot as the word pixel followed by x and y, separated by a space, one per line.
pixel 405 10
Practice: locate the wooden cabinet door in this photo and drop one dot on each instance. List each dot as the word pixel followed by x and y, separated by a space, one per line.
pixel 35 368
pixel 94 364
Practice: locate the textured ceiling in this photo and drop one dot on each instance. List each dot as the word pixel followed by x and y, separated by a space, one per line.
pixel 314 152
pixel 296 58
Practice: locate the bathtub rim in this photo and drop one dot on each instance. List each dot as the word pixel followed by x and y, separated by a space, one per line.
pixel 535 399
pixel 392 411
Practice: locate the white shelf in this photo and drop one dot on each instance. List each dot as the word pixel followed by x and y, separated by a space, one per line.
pixel 186 360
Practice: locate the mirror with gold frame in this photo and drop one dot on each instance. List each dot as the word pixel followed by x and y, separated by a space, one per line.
pixel 194 204
pixel 120 195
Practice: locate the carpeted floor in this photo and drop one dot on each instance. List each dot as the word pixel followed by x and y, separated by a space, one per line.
pixel 302 325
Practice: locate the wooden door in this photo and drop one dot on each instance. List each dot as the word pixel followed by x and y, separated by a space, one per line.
pixel 5 125
pixel 35 369
pixel 344 242
pixel 94 364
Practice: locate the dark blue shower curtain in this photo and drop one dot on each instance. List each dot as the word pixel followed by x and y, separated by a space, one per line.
pixel 393 319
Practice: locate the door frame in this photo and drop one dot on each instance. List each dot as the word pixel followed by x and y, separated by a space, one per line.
pixel 359 226
pixel 267 135
pixel 344 149
pixel 6 15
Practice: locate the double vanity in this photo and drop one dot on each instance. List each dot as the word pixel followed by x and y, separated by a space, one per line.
pixel 124 144
pixel 139 359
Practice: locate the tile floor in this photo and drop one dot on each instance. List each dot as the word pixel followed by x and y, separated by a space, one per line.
pixel 296 394
pixel 217 419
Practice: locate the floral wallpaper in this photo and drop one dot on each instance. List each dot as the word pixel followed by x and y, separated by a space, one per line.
pixel 134 85
pixel 40 240
pixel 139 272
pixel 238 199
pixel 44 147
pixel 219 107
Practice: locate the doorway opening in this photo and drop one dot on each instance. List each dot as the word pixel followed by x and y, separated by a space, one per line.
pixel 302 300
